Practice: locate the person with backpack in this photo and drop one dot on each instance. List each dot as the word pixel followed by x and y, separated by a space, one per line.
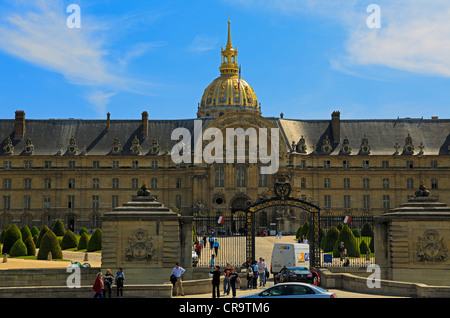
pixel 255 274
pixel 120 278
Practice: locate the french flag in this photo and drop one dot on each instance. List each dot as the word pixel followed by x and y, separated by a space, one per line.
pixel 347 219
pixel 220 219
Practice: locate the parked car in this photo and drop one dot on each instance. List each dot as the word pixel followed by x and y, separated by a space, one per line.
pixel 293 274
pixel 293 290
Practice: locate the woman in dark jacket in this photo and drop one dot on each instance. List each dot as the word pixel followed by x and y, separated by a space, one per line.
pixel 215 281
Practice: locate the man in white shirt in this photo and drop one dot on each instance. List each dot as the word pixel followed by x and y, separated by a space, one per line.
pixel 177 272
pixel 262 267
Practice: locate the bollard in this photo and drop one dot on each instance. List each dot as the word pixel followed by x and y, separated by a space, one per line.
pixel 367 256
pixel 86 257
pixel 49 256
pixel 5 258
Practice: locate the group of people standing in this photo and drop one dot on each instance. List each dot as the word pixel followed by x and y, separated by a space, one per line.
pixel 231 281
pixel 257 271
pixel 103 284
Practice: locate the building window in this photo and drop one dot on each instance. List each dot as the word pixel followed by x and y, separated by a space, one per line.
pixel 303 164
pixel 154 164
pixel 48 183
pixel 326 164
pixel 434 164
pixel 95 202
pixel 434 183
pixel 178 185
pixel 366 201
pixel 26 202
pixel 385 183
pixel 71 201
pixel 303 183
pixel 71 164
pixel 241 176
pixel 410 183
pixel 346 201
pixel 409 164
pixel 134 183
pixel 327 183
pixel 115 201
pixel 135 164
pixel 385 164
pixel 219 176
pixel 366 183
pixel 346 183
pixel 27 164
pixel 95 183
pixel 154 183
pixel 346 164
pixel 7 184
pixel 327 201
pixel 262 179
pixel 178 201
pixel 6 202
pixel 365 164
pixel 48 164
pixel 27 183
pixel 115 183
pixel 47 202
pixel 115 164
pixel 95 221
pixel 386 202
pixel 95 164
pixel 6 164
pixel 71 183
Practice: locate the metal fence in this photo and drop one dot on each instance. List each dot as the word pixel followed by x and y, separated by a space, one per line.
pixel 222 238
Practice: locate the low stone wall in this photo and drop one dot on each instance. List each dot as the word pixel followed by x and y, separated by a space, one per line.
pixel 358 284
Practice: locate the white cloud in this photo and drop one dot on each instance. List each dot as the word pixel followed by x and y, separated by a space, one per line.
pixel 203 43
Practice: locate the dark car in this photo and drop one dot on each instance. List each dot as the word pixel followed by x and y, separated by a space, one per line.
pixel 294 274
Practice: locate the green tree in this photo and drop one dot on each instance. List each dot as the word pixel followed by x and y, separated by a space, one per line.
pixel 12 234
pixel 31 247
pixel 350 243
pixel 25 232
pixel 34 231
pixel 44 230
pixel 83 242
pixel 95 242
pixel 330 239
pixel 367 230
pixel 49 243
pixel 356 233
pixel 18 249
pixel 58 228
pixel 82 230
pixel 363 247
pixel 69 240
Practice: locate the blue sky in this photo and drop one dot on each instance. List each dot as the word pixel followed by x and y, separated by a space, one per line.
pixel 303 58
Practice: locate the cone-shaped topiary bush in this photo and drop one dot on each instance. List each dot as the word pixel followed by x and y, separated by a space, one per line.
pixel 367 230
pixel 356 233
pixel 49 243
pixel 95 242
pixel 12 234
pixel 69 240
pixel 31 247
pixel 363 247
pixel 330 239
pixel 41 235
pixel 350 243
pixel 58 228
pixel 82 230
pixel 34 231
pixel 18 249
pixel 83 242
pixel 2 235
pixel 25 231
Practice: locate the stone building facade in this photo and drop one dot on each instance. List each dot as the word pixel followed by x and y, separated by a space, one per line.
pixel 77 170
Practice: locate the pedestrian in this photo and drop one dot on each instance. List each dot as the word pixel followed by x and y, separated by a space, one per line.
pixel 98 286
pixel 226 279
pixel 108 283
pixel 178 271
pixel 249 275
pixel 234 281
pixel 120 280
pixel 316 278
pixel 211 261
pixel 262 268
pixel 215 272
pixel 204 240
pixel 255 274
pixel 211 242
pixel 216 246
pixel 341 250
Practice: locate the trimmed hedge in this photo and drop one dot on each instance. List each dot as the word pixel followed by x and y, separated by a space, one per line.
pixel 363 247
pixel 43 231
pixel 69 240
pixel 82 230
pixel 330 239
pixel 350 243
pixel 34 231
pixel 31 247
pixel 26 233
pixel 95 242
pixel 58 228
pixel 83 242
pixel 49 243
pixel 12 234
pixel 18 249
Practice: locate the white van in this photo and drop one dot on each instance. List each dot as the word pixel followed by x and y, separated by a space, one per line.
pixel 289 254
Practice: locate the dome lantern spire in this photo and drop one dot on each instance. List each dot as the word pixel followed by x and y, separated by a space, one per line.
pixel 229 57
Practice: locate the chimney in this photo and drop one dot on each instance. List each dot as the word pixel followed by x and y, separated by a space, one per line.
pixel 19 125
pixel 336 126
pixel 144 124
pixel 108 121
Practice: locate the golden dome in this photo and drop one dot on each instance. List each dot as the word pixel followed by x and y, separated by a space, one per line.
pixel 229 92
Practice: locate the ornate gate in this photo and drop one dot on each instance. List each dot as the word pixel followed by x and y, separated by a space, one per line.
pixel 284 195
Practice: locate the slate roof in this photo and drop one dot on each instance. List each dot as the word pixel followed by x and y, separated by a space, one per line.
pixel 382 135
